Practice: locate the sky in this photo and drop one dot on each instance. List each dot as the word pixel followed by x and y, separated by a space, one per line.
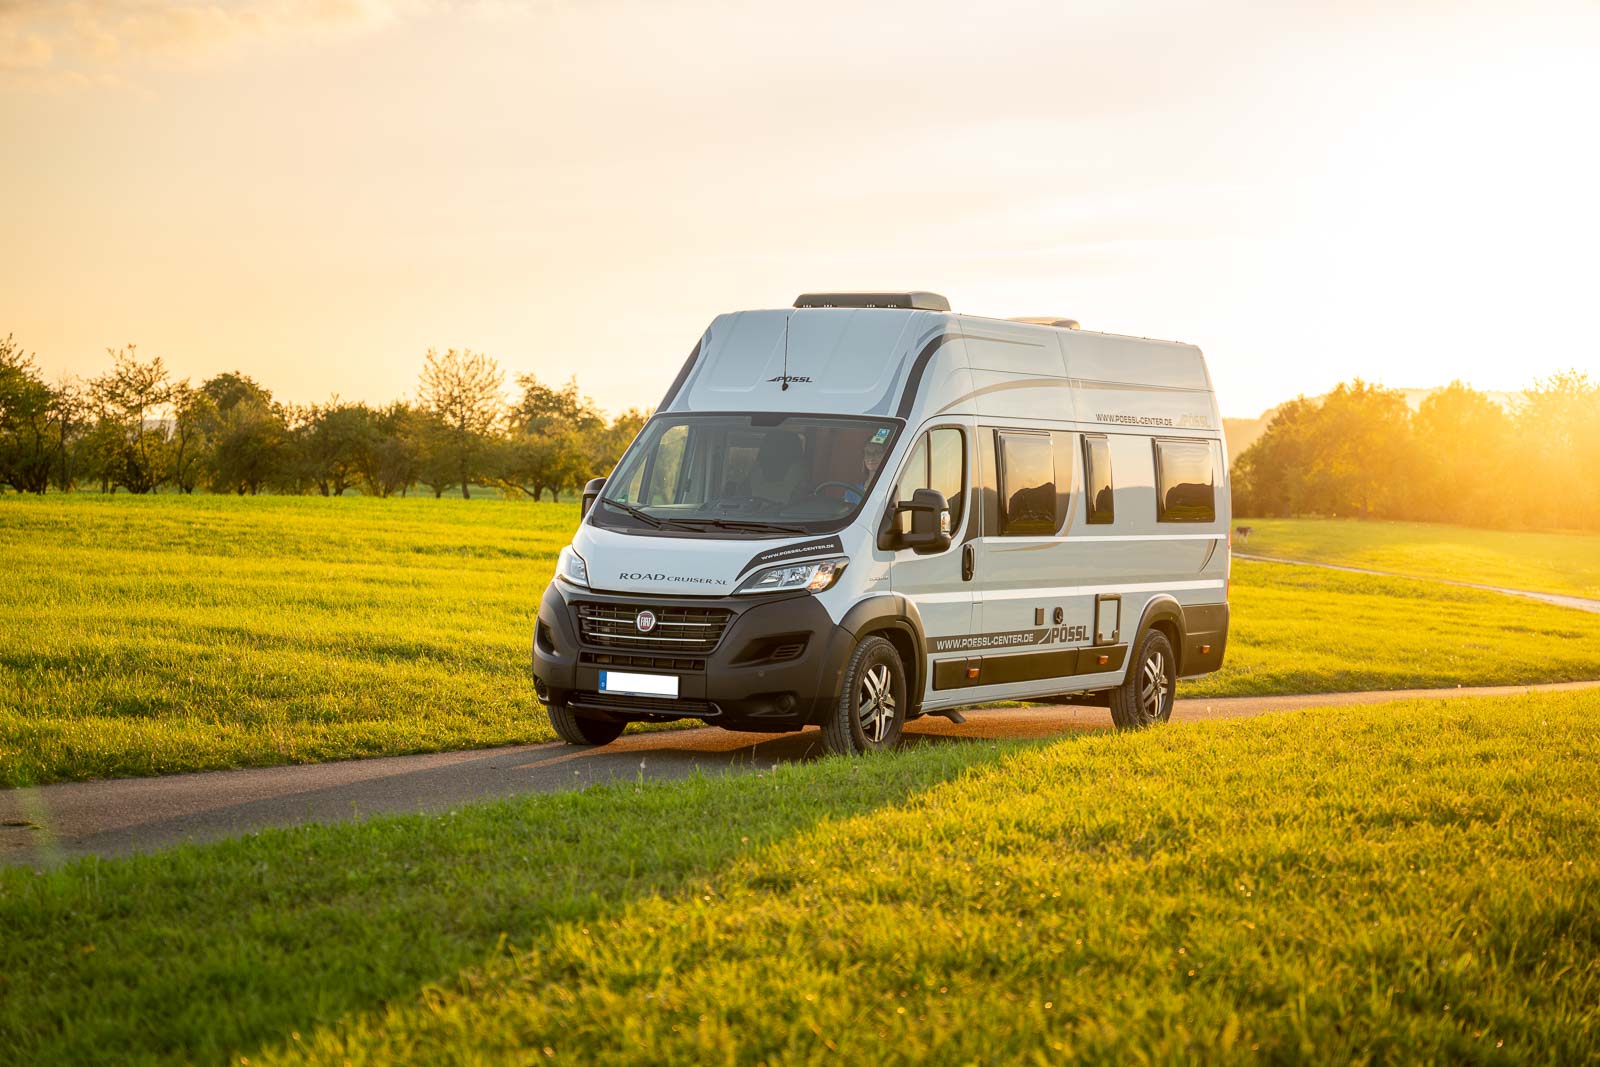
pixel 315 192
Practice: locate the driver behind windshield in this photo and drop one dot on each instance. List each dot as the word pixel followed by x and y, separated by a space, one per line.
pixel 871 459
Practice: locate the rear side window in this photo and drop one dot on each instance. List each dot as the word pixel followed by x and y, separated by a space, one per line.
pixel 1185 481
pixel 1027 484
pixel 1098 497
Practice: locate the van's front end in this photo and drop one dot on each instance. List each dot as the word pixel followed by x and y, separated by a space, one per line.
pixel 712 576
pixel 734 567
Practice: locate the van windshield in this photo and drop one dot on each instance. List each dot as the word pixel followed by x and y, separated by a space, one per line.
pixel 745 475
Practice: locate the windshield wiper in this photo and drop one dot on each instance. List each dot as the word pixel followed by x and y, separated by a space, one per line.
pixel 638 513
pixel 653 520
pixel 746 524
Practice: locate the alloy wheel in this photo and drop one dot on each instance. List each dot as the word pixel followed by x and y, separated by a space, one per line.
pixel 1153 687
pixel 877 703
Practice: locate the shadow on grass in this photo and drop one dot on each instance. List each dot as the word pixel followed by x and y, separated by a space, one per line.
pixel 203 951
pixel 163 813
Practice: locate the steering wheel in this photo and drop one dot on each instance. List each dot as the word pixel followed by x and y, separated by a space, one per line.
pixel 848 487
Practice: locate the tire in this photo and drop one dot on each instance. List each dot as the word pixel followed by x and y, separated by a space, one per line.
pixel 874 687
pixel 1145 696
pixel 576 730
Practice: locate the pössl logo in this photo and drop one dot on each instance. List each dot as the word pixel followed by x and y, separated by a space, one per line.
pixel 789 378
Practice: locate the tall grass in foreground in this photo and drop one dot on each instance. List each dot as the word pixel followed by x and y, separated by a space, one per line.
pixel 151 635
pixel 1415 882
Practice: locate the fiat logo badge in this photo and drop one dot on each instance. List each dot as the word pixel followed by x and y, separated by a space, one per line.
pixel 646 621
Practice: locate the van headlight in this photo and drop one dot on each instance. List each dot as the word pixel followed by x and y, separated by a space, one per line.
pixel 570 567
pixel 812 577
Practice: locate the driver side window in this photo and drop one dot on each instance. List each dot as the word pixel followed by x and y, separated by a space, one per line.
pixel 667 466
pixel 937 461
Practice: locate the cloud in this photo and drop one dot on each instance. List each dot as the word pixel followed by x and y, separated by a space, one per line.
pixel 51 43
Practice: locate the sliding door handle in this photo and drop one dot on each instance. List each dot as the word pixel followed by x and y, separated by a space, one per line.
pixel 969 562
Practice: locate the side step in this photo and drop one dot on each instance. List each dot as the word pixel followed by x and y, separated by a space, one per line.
pixel 952 714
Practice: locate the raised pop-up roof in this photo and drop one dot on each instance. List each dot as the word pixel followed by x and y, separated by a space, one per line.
pixel 871 358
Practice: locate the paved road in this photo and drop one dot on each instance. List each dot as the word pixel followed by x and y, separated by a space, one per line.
pixel 55 823
pixel 1581 603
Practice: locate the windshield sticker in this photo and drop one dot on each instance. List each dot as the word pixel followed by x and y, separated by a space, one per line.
pixel 881 436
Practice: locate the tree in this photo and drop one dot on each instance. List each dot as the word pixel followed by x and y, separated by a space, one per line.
pixel 28 408
pixel 228 389
pixel 1558 445
pixel 69 423
pixel 130 398
pixel 1461 449
pixel 1360 446
pixel 193 414
pixel 1269 476
pixel 336 441
pixel 436 456
pixel 1349 452
pixel 393 462
pixel 555 437
pixel 464 390
pixel 248 434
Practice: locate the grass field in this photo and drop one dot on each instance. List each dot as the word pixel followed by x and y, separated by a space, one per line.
pixel 1416 882
pixel 148 636
pixel 1566 563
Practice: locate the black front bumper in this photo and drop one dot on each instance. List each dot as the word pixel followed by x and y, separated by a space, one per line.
pixel 754 678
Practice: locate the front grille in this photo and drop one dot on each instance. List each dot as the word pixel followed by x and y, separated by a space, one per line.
pixel 649 663
pixel 678 630
pixel 700 709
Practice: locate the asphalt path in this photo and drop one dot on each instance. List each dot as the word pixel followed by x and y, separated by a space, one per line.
pixel 52 824
pixel 1579 602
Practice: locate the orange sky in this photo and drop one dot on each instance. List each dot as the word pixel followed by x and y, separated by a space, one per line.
pixel 316 191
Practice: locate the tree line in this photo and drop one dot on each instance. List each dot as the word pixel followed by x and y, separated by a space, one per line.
pixel 1459 457
pixel 139 429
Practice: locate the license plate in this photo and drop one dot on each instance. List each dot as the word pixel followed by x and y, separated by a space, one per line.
pixel 639 685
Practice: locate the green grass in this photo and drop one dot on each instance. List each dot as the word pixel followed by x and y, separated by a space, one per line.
pixel 1567 563
pixel 148 636
pixel 1412 882
pixel 1303 630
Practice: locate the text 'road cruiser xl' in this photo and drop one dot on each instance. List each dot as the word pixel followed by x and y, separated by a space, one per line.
pixel 865 509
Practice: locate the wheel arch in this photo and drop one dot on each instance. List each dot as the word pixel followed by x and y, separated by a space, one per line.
pixel 1165 614
pixel 896 620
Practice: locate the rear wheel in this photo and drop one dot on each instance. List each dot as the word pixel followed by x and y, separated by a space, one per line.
pixel 576 730
pixel 871 710
pixel 1145 696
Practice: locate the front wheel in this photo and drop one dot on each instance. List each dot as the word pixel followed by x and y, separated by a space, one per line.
pixel 575 730
pixel 871 710
pixel 1145 697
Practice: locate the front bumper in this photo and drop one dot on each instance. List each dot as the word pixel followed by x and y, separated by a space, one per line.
pixel 753 678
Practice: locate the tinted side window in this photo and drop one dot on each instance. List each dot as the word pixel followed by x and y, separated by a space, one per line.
pixel 1185 482
pixel 1098 497
pixel 947 469
pixel 1027 484
pixel 913 477
pixel 938 461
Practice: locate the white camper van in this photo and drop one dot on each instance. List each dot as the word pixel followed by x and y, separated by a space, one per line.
pixel 865 509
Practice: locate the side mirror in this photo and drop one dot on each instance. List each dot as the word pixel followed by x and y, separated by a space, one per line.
pixel 591 492
pixel 930 521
